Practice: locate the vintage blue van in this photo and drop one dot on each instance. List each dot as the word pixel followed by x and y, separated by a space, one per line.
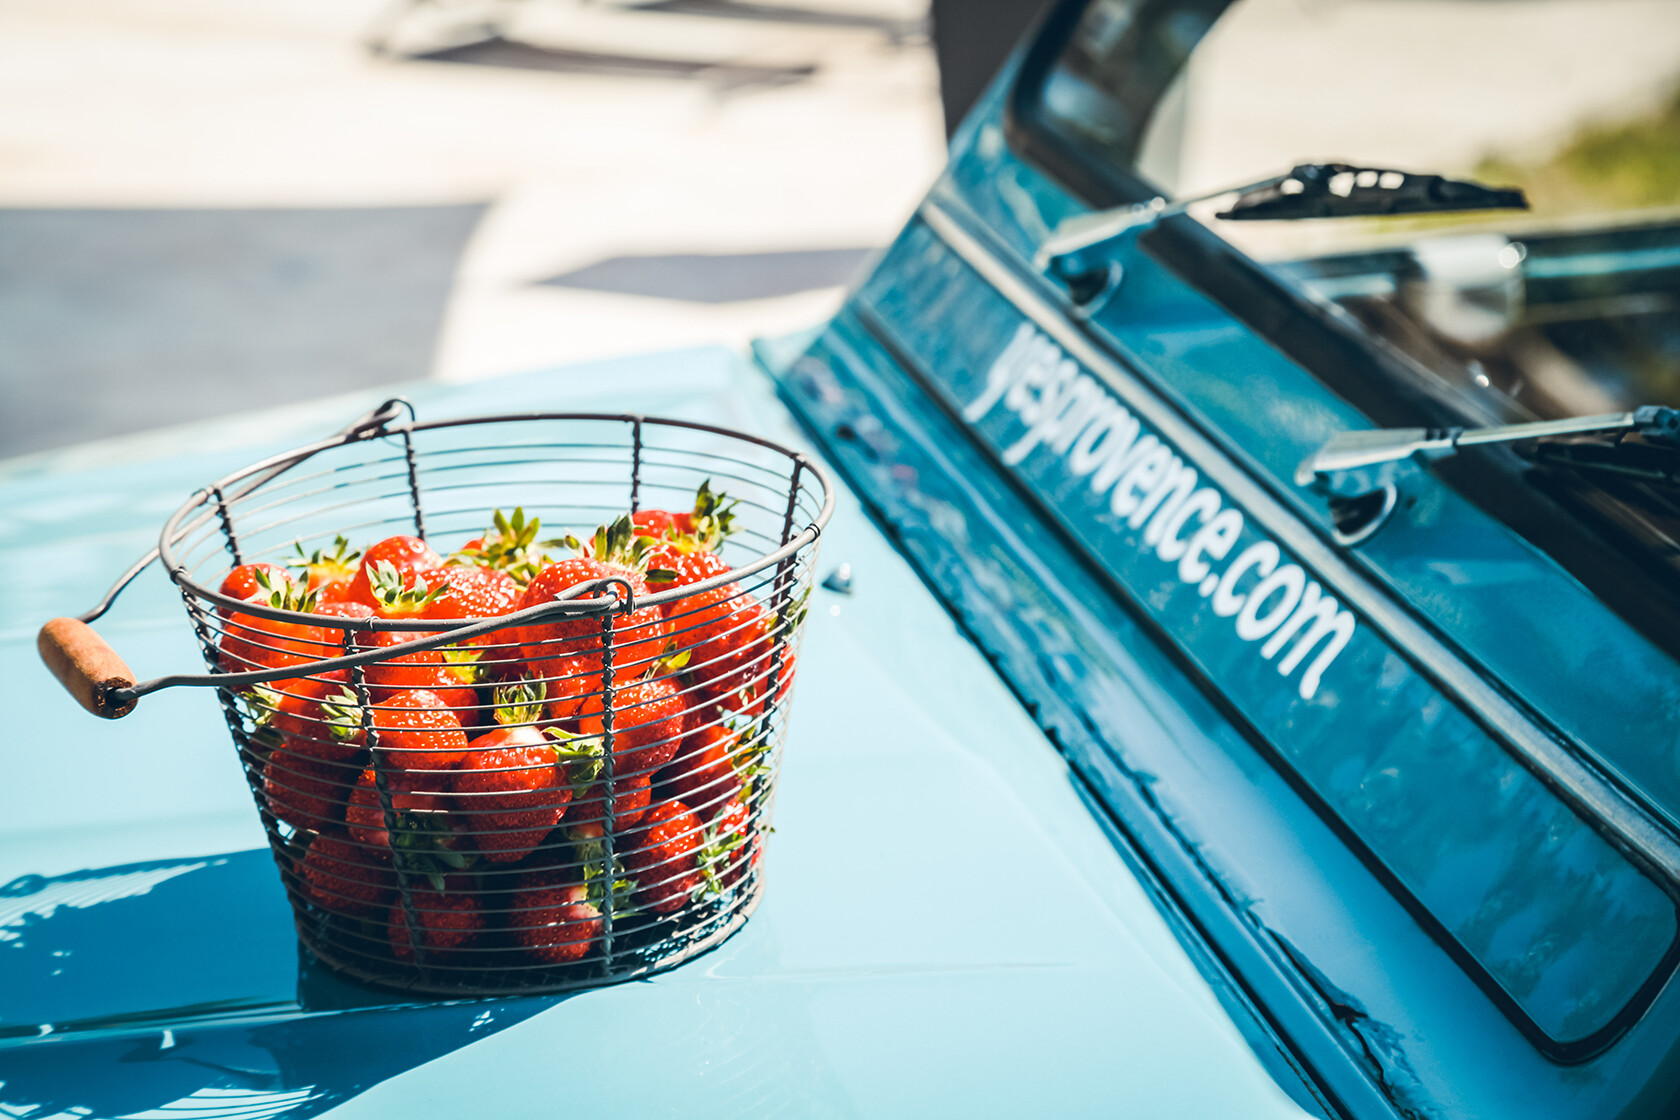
pixel 1247 685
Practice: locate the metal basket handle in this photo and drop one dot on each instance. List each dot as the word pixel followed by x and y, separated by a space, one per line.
pixel 87 667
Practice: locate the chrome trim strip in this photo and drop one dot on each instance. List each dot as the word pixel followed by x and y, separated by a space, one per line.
pixel 1602 802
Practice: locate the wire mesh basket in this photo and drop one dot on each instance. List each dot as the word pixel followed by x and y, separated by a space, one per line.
pixel 539 764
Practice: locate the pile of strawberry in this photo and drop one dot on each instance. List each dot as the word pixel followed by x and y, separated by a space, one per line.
pixel 509 818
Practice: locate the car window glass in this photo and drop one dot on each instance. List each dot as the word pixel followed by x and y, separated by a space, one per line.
pixel 1565 310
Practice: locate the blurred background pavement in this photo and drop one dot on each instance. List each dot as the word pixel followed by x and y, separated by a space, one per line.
pixel 209 206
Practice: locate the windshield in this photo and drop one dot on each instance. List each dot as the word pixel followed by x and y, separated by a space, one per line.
pixel 1427 320
pixel 1561 311
pixel 1496 316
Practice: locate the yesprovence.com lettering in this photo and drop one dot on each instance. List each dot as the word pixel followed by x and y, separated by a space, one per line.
pixel 1072 415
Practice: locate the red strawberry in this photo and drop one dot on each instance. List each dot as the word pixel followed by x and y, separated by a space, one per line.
pixel 731 648
pixel 244 583
pixel 475 593
pixel 312 643
pixel 510 792
pixel 697 615
pixel 703 772
pixel 305 792
pixel 647 723
pixel 510 788
pixel 335 594
pixel 429 669
pixel 340 608
pixel 470 593
pixel 397 671
pixel 630 801
pixel 501 661
pixel 685 568
pixel 417 731
pixel 405 554
pixel 656 522
pixel 346 877
pixel 250 643
pixel 319 717
pixel 411 791
pixel 638 637
pixel 553 922
pixel 750 698
pixel 461 698
pixel 329 574
pixel 568 681
pixel 689 615
pixel 737 659
pixel 725 630
pixel 705 526
pixel 663 856
pixel 443 920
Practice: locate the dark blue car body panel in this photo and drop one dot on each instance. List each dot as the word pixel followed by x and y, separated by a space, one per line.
pixel 1338 826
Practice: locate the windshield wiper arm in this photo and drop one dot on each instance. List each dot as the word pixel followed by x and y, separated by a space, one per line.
pixel 1311 190
pixel 1355 451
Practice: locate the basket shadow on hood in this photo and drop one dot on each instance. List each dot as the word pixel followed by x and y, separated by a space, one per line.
pixel 139 947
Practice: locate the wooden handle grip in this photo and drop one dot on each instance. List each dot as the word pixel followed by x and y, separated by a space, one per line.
pixel 86 666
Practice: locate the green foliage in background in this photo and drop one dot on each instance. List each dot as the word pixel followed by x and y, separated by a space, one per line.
pixel 1622 165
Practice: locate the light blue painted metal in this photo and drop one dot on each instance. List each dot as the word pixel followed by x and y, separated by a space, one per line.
pixel 946 929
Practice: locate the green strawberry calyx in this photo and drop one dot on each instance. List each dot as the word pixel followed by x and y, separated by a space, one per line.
pixel 589 846
pixel 519 703
pixel 392 588
pixel 465 664
pixel 715 849
pixel 792 616
pixel 748 759
pixel 659 576
pixel 671 663
pixel 337 566
pixel 259 704
pixel 509 545
pixel 341 715
pixel 623 544
pixel 583 756
pixel 714 516
pixel 423 844
pixel 288 595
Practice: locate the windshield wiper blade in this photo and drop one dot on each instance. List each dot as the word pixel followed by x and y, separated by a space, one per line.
pixel 1336 190
pixel 1309 190
pixel 1654 463
pixel 1349 452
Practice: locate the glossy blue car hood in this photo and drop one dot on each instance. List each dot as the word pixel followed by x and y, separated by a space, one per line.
pixel 947 928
